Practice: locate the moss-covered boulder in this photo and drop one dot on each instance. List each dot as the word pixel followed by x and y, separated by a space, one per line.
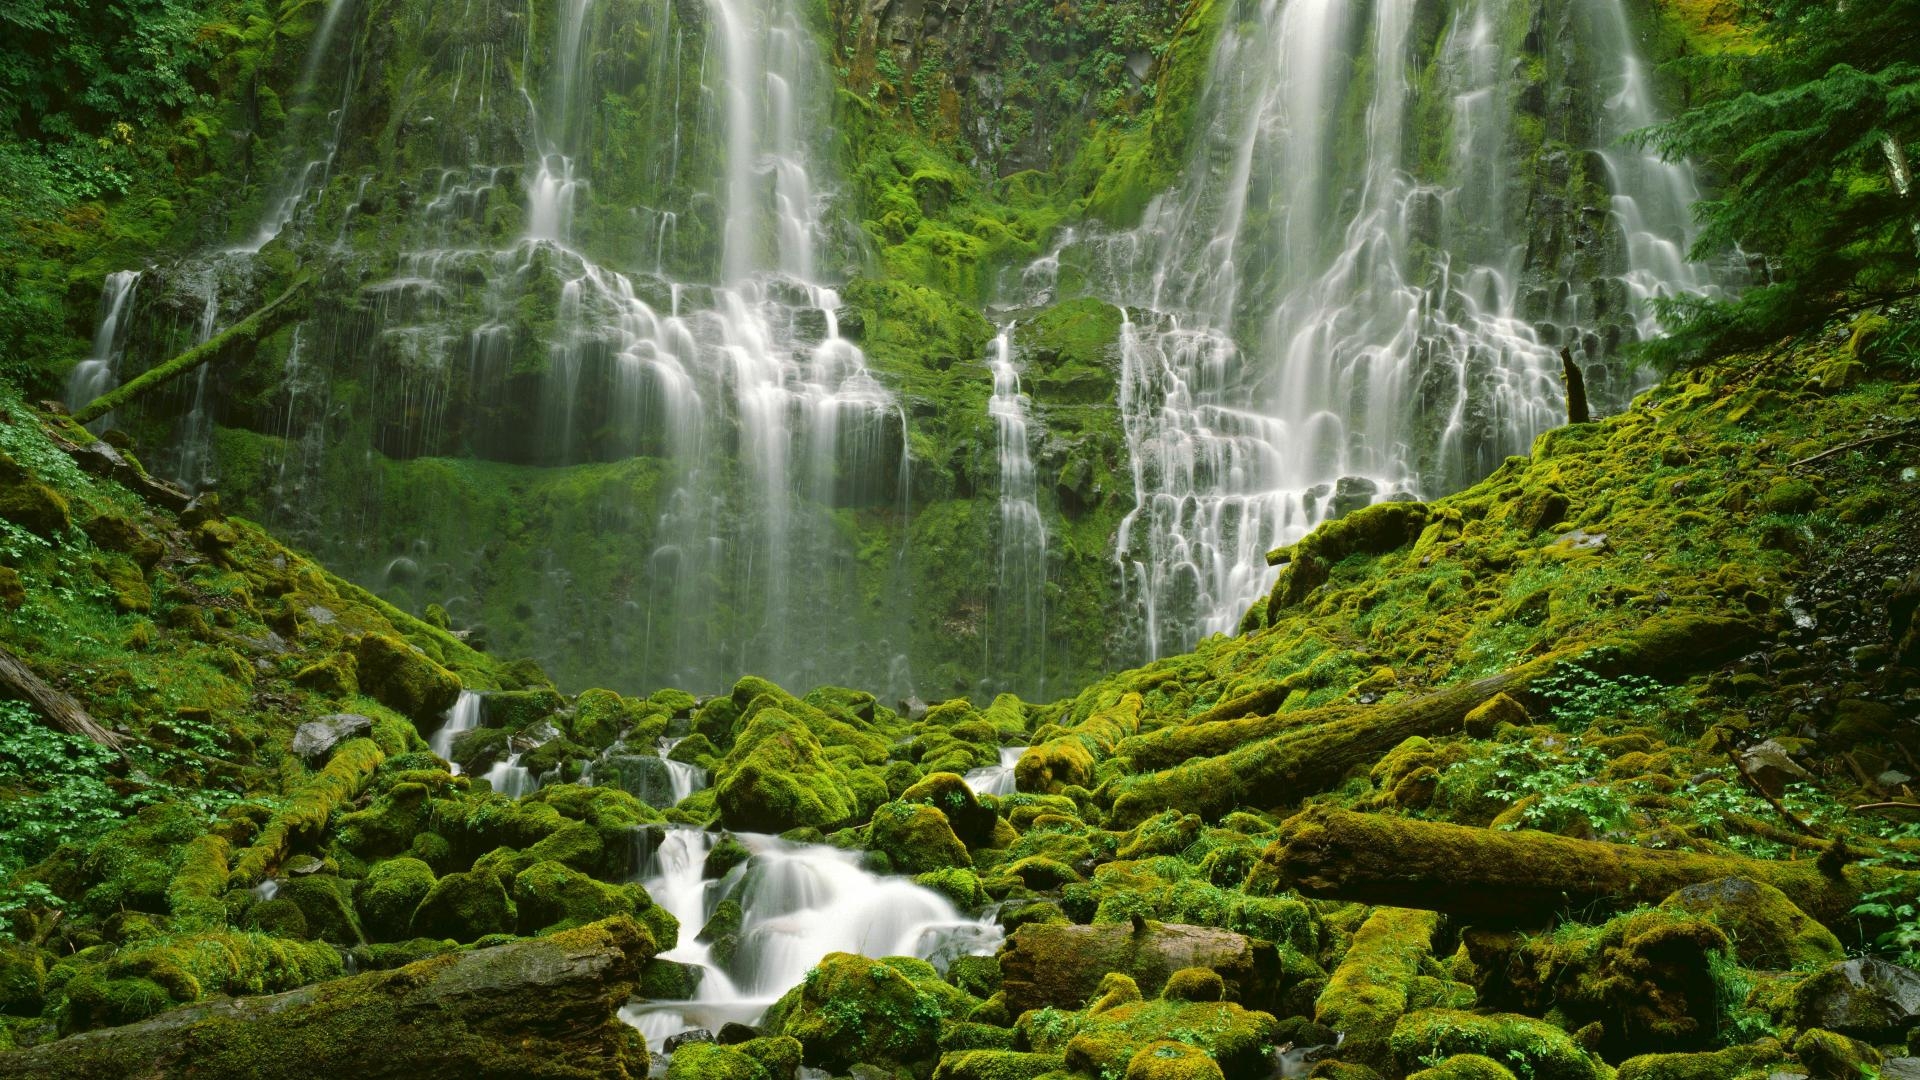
pixel 1062 965
pixel 30 504
pixel 1767 929
pixel 1544 1050
pixel 997 1065
pixel 1170 1060
pixel 916 838
pixel 852 1010
pixel 948 793
pixel 1465 1067
pixel 465 907
pixel 405 680
pixel 550 896
pixel 390 893
pixel 1714 1065
pixel 777 777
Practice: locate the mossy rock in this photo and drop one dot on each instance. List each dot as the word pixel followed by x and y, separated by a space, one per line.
pixel 711 1061
pixel 1767 929
pixel 852 1010
pixel 405 680
pixel 1370 989
pixel 777 777
pixel 336 676
pixel 917 839
pixel 1830 1055
pixel 1107 1039
pixel 388 826
pixel 1169 1060
pixel 997 1065
pixel 958 884
pixel 601 716
pixel 23 980
pixel 327 903
pixel 1546 1051
pixel 389 895
pixel 1716 1065
pixel 948 793
pixel 551 896
pixel 1465 1067
pixel 465 907
pixel 30 504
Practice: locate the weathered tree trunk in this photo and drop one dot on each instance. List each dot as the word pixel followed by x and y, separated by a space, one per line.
pixel 545 1007
pixel 1492 877
pixel 276 313
pixel 1298 760
pixel 18 680
pixel 1577 412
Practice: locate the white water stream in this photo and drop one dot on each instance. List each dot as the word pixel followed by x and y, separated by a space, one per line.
pixel 800 902
pixel 996 779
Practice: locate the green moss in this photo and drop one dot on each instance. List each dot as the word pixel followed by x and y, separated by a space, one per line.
pixel 465 907
pixel 1368 993
pixel 387 898
pixel 777 777
pixel 405 680
pixel 1545 1051
pixel 916 839
pixel 852 1010
pixel 1465 1067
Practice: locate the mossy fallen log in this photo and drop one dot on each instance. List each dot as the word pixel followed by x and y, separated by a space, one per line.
pixel 1521 878
pixel 1301 759
pixel 270 317
pixel 545 1007
pixel 60 709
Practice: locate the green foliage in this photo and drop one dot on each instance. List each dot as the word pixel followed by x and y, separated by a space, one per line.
pixel 1816 155
pixel 1577 696
pixel 1897 905
pixel 1564 785
pixel 56 788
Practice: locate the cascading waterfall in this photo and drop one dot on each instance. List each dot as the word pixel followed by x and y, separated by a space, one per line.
pixel 1016 634
pixel 1348 296
pixel 799 902
pixel 996 779
pixel 100 371
pixel 463 717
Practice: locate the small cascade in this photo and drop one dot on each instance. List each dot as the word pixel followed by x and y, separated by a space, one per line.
pixel 510 778
pixel 1016 635
pixel 996 779
pixel 292 193
pixel 684 779
pixel 100 371
pixel 464 716
pixel 799 903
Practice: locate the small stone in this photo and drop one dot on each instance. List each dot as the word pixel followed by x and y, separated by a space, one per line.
pixel 1866 998
pixel 304 865
pixel 732 1033
pixel 691 1035
pixel 1772 767
pixel 313 741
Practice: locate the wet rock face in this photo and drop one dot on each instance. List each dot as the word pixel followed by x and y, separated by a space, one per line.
pixel 1865 997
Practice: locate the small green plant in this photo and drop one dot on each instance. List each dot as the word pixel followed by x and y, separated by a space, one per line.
pixel 1577 696
pixel 1563 784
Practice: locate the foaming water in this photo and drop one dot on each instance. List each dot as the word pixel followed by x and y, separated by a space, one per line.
pixel 996 779
pixel 800 902
pixel 464 716
pixel 100 371
pixel 1016 632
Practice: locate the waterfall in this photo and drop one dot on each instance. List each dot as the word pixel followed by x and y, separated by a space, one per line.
pixel 799 902
pixel 100 371
pixel 1349 296
pixel 996 779
pixel 1016 634
pixel 463 717
pixel 510 778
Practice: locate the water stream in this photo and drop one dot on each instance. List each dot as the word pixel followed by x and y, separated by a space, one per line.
pixel 996 779
pixel 100 371
pixel 1016 633
pixel 1354 294
pixel 799 903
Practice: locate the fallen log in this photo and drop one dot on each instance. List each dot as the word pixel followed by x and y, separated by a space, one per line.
pixel 1491 877
pixel 17 680
pixel 545 1007
pixel 1062 965
pixel 271 316
pixel 1301 760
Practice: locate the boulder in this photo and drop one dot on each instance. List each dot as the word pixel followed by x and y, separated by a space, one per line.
pixel 1767 929
pixel 1062 964
pixel 1864 997
pixel 314 740
pixel 853 1010
pixel 405 680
